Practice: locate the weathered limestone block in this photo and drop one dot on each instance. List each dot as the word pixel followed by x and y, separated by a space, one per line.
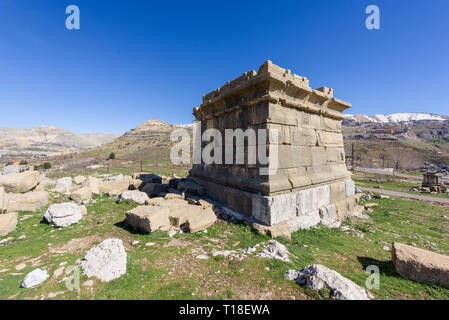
pixel 30 201
pixel 79 179
pixel 350 188
pixel 421 265
pixel 8 222
pixel 136 196
pixel 201 221
pixel 148 218
pixel 93 184
pixel 330 139
pixel 81 194
pixel 303 137
pixel 180 215
pixel 332 125
pixel 63 214
pixel 3 200
pixel 19 182
pixel 115 187
pixel 313 199
pixel 338 191
pixel 328 214
pixel 305 221
pixel 63 185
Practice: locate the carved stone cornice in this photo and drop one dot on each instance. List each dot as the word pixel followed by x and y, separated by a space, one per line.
pixel 273 84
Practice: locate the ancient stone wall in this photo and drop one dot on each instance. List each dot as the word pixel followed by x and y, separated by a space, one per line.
pixel 310 173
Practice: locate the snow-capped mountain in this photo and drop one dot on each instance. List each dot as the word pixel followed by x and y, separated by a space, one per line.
pixel 395 117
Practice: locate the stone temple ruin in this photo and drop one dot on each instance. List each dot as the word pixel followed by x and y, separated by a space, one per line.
pixel 311 184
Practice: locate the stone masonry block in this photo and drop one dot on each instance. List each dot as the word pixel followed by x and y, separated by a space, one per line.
pixel 350 188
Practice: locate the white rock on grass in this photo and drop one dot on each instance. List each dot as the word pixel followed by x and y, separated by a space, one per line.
pixel 136 196
pixel 63 185
pixel 106 261
pixel 317 277
pixel 274 250
pixel 34 278
pixel 63 214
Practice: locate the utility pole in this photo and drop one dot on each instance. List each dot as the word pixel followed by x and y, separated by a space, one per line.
pixel 352 157
pixel 141 166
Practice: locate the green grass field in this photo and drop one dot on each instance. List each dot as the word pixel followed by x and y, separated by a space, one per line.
pixel 397 186
pixel 170 270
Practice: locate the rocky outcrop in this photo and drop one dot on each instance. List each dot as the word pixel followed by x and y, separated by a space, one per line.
pixel 20 182
pixel 63 214
pixel 8 222
pixel 136 196
pixel 421 265
pixel 30 201
pixel 318 277
pixel 81 194
pixel 106 261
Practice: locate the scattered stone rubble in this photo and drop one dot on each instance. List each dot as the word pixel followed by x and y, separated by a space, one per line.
pixel 318 277
pixel 106 261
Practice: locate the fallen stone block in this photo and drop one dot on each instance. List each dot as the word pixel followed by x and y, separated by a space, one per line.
pixel 79 179
pixel 81 194
pixel 148 218
pixel 318 277
pixel 3 200
pixel 115 187
pixel 201 221
pixel 30 201
pixel 279 230
pixel 106 261
pixel 421 265
pixel 180 215
pixel 20 182
pixel 93 184
pixel 45 181
pixel 155 189
pixel 147 177
pixel 63 185
pixel 191 187
pixel 114 178
pixel 136 184
pixel 63 214
pixel 136 196
pixel 8 223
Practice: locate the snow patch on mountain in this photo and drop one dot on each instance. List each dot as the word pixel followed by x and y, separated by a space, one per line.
pixel 395 117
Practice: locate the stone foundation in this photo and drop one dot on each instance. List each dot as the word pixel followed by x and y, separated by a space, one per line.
pixel 311 183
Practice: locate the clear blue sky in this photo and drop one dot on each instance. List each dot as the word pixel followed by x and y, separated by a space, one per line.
pixel 132 61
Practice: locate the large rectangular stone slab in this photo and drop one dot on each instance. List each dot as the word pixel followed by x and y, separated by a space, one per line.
pixel 148 218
